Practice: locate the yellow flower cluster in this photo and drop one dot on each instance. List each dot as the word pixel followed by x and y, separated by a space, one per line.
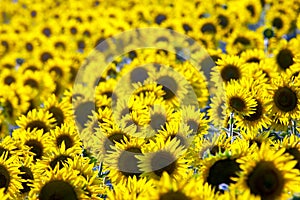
pixel 132 100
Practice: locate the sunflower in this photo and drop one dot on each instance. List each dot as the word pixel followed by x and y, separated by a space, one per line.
pixel 284 99
pixel 250 11
pixel 38 82
pixel 8 76
pixel 159 115
pixel 103 140
pixel 27 175
pixel 292 147
pixel 66 134
pixel 285 52
pixel 189 188
pixel 174 85
pixel 163 156
pixel 58 183
pixel 94 185
pixel 134 189
pixel 209 25
pixel 61 111
pixel 34 142
pixel 227 68
pixel 267 173
pixel 9 175
pixel 59 68
pixel 181 132
pixel 243 39
pixel 217 111
pixel 259 119
pixel 122 163
pixel 194 119
pixel 239 98
pixel 36 119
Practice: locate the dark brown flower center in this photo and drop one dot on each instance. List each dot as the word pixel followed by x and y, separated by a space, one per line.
pixel 128 163
pixel 208 28
pixel 37 124
pixel 57 190
pixel 277 22
pixel 285 59
pixel 4 177
pixel 158 120
pixel 58 115
pixel 172 195
pixel 222 171
pixel 230 72
pixel 258 111
pixel 59 160
pixel 266 181
pixel 66 139
pixel 169 85
pixel 237 103
pixel 9 80
pixel 163 161
pixel 82 111
pixel 35 147
pixel 285 99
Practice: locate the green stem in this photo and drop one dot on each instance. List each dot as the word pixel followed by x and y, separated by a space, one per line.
pixel 294 127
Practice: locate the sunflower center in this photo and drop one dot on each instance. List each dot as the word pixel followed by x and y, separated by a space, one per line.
pixel 61 159
pixel 35 147
pixel 277 22
pixel 57 71
pixel 66 139
pixel 9 80
pixel 223 21
pixel 251 9
pixel 57 190
pixel 4 177
pixel 157 121
pixel 27 175
pixel 169 85
pixel 181 139
pixel 296 153
pixel 37 124
pixel 112 139
pixel 222 171
pixel 128 163
pixel 163 161
pixel 46 56
pixel 258 111
pixel 193 124
pixel 138 74
pixel 187 28
pixel 285 99
pixel 208 28
pixel 253 60
pixel 32 83
pixel 285 59
pixel 237 104
pixel 58 115
pixel 82 111
pixel 29 46
pixel 241 40
pixel 47 32
pixel 265 180
pixel 217 149
pixel 173 195
pixel 60 45
pixel 160 18
pixel 230 72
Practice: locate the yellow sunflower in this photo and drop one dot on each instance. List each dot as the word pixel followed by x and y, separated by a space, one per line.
pixel 36 119
pixel 267 173
pixel 284 99
pixel 61 111
pixel 58 183
pixel 9 170
pixel 163 156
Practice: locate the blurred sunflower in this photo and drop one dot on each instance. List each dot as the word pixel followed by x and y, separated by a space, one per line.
pixel 217 111
pixel 122 162
pixel 163 156
pixel 284 99
pixel 267 173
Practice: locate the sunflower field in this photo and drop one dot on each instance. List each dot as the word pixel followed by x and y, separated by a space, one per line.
pixel 149 100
